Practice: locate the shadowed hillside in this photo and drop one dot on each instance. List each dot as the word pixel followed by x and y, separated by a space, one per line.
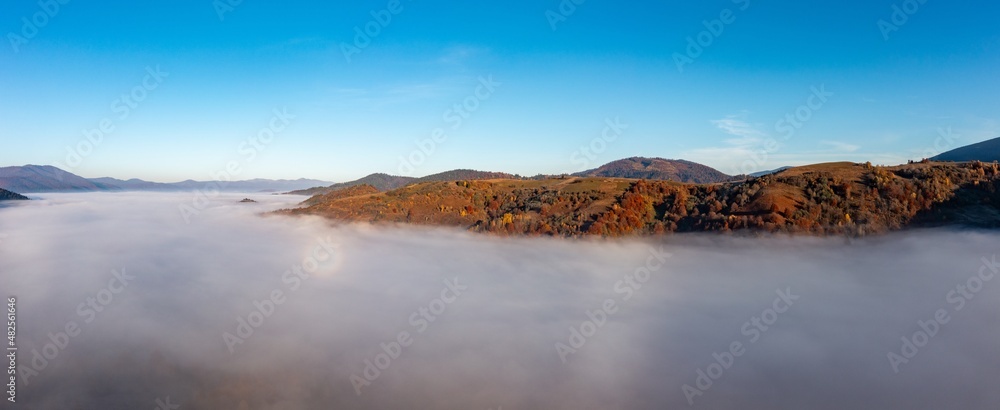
pixel 834 198
pixel 6 195
pixel 986 151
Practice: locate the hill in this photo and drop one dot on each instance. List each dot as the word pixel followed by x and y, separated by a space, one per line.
pixel 6 195
pixel 466 174
pixel 385 182
pixel 835 198
pixel 381 182
pixel 44 178
pixel 336 194
pixel 658 169
pixel 986 151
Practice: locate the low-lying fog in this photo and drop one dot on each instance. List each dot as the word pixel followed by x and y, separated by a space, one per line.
pixel 122 304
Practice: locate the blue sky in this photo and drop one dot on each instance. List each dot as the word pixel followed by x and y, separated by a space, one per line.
pixel 888 94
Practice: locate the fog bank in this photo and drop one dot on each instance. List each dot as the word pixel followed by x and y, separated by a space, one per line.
pixel 441 319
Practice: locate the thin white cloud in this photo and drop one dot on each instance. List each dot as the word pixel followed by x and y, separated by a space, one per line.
pixel 738 126
pixel 841 146
pixel 461 54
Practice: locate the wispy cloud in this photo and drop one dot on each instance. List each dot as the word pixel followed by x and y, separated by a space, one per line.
pixel 841 146
pixel 461 54
pixel 383 96
pixel 738 126
pixel 749 139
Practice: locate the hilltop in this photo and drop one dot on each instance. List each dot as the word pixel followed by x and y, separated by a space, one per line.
pixel 635 168
pixel 386 182
pixel 834 198
pixel 658 169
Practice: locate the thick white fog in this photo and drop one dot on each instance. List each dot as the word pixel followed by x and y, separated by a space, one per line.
pixel 122 304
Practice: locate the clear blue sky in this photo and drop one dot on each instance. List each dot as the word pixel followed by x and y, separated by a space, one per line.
pixel 892 94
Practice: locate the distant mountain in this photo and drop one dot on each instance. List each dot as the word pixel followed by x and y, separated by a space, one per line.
pixel 385 182
pixel 253 185
pixel 44 178
pixel 133 184
pixel 658 169
pixel 986 151
pixel 6 195
pixel 773 171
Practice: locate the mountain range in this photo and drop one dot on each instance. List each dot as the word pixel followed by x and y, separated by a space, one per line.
pixel 833 198
pixel 45 178
pixel 635 167
pixel 642 196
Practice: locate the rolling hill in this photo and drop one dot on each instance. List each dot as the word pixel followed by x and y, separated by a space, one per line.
pixel 633 168
pixel 658 169
pixel 385 182
pixel 381 182
pixel 986 151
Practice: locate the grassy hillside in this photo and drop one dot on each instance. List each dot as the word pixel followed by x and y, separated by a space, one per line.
pixel 386 182
pixel 341 193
